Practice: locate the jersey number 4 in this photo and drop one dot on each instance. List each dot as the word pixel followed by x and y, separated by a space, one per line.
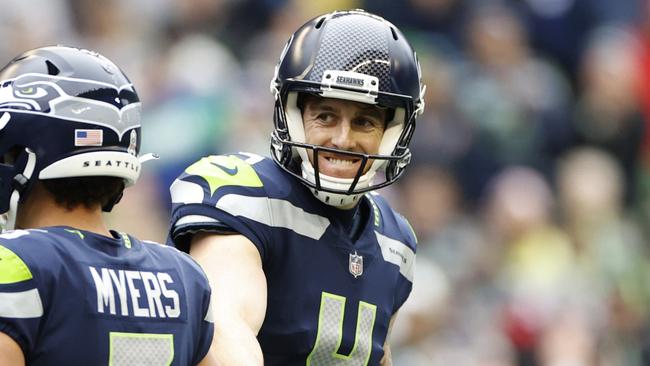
pixel 330 333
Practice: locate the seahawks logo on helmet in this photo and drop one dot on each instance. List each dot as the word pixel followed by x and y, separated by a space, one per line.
pixel 79 100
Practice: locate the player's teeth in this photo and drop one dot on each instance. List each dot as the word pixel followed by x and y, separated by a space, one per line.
pixel 340 161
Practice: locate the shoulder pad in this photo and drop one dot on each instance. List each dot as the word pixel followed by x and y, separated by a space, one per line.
pixel 221 170
pixel 211 173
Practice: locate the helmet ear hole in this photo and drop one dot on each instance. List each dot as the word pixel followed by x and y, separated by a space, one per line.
pixel 10 156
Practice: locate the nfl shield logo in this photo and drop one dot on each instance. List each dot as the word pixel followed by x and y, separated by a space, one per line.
pixel 356 264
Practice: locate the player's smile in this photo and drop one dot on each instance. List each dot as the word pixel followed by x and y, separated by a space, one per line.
pixel 338 165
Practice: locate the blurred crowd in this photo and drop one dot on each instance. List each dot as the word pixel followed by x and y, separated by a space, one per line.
pixel 529 187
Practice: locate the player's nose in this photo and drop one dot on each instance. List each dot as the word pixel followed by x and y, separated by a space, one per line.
pixel 343 135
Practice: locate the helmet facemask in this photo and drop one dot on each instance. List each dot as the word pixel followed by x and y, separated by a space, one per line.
pixel 393 155
pixel 16 179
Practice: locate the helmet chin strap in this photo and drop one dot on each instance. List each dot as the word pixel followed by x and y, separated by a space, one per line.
pixel 13 209
pixel 20 180
pixel 343 199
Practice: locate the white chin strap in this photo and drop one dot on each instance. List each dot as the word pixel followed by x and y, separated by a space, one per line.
pixel 340 184
pixel 10 216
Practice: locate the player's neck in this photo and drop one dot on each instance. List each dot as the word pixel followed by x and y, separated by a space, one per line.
pixel 40 210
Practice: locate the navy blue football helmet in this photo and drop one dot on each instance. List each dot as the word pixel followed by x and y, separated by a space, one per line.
pixel 65 112
pixel 351 55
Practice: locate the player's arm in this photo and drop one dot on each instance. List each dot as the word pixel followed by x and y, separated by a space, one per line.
pixel 387 360
pixel 234 268
pixel 10 352
pixel 208 360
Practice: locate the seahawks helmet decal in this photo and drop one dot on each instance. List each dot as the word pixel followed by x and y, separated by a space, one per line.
pixel 65 112
pixel 79 100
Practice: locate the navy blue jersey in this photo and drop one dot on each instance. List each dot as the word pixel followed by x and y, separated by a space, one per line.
pixel 330 298
pixel 71 297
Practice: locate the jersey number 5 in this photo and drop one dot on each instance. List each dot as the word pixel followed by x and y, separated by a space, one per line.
pixel 330 333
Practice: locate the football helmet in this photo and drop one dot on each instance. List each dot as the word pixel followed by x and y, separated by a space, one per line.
pixel 65 112
pixel 356 56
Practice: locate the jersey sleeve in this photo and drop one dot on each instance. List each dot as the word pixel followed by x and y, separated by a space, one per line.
pixel 220 194
pixel 409 252
pixel 23 289
pixel 398 244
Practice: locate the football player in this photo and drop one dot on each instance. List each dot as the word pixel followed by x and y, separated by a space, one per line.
pixel 73 292
pixel 308 265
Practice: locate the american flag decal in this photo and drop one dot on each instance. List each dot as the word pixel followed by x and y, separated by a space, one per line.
pixel 88 137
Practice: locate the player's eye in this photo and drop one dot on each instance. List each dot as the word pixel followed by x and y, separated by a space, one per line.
pixel 366 123
pixel 325 117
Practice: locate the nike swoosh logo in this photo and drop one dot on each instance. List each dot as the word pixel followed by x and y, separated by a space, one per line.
pixel 228 171
pixel 79 110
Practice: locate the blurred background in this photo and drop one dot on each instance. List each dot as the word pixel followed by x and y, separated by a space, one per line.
pixel 530 183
